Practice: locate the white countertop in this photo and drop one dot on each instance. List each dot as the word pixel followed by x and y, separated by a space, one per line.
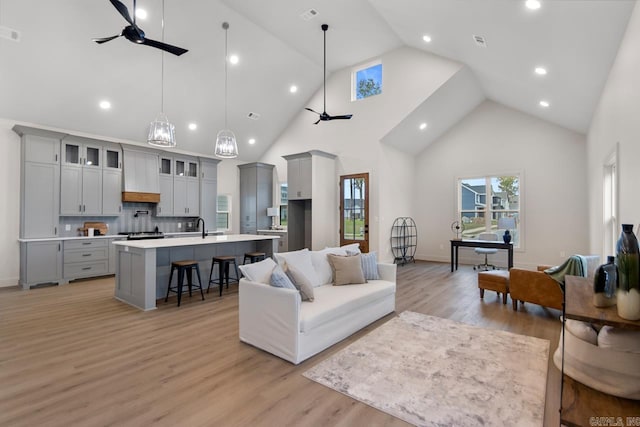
pixel 120 236
pixel 272 231
pixel 192 241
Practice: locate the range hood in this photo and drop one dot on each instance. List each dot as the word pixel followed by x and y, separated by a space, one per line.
pixel 141 177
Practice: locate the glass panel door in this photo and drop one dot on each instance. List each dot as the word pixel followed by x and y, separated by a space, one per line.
pixel 354 210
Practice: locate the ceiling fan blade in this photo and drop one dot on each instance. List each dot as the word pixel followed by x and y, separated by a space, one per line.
pixel 309 109
pixel 166 47
pixel 317 122
pixel 105 39
pixel 123 10
pixel 343 117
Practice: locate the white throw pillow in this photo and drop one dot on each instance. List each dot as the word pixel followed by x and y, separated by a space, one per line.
pixel 258 271
pixel 321 264
pixel 301 262
pixel 582 330
pixel 352 249
pixel 619 339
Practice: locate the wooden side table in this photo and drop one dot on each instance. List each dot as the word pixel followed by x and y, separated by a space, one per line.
pixel 582 405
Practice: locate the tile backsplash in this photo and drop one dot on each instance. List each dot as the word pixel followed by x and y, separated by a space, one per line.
pixel 128 222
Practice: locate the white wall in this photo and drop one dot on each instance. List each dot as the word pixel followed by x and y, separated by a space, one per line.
pixel 494 139
pixel 10 204
pixel 409 77
pixel 616 120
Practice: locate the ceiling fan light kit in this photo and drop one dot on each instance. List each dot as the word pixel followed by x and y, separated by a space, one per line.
pixel 324 116
pixel 226 145
pixel 162 133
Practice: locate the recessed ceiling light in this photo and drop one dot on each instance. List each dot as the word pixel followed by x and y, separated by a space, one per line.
pixel 105 105
pixel 234 59
pixel 252 141
pixel 141 13
pixel 541 71
pixel 293 89
pixel 532 4
pixel 423 126
pixel 193 126
pixel 544 104
pixel 426 38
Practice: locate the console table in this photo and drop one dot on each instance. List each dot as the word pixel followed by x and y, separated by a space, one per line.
pixel 579 402
pixel 492 244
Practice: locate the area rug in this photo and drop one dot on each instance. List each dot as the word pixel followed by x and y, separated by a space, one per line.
pixel 431 371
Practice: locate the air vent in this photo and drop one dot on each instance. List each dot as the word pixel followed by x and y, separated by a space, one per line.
pixel 309 14
pixel 253 116
pixel 480 41
pixel 9 33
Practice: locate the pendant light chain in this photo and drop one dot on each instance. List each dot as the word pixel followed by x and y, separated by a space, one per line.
pixel 162 65
pixel 226 63
pixel 324 77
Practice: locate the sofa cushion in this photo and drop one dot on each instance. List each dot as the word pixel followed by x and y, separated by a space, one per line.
pixel 279 279
pixel 351 248
pixel 321 264
pixel 258 271
pixel 619 339
pixel 347 270
pixel 301 282
pixel 301 262
pixel 370 266
pixel 332 302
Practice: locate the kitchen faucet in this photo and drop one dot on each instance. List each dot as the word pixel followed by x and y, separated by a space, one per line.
pixel 204 233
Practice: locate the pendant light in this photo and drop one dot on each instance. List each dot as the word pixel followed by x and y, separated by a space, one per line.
pixel 226 146
pixel 162 133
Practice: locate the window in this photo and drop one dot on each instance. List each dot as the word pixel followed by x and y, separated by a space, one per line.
pixel 367 81
pixel 483 201
pixel 223 212
pixel 284 200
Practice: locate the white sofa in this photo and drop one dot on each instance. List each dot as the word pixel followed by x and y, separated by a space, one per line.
pixel 278 321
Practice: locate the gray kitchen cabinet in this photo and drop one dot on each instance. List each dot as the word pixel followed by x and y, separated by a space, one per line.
pixel 112 180
pixel 80 191
pixel 256 195
pixel 209 192
pixel 85 258
pixel 186 187
pixel 40 262
pixel 165 206
pixel 112 254
pixel 39 182
pixel 111 192
pixel 81 176
pixel 282 241
pixel 299 176
pixel 312 195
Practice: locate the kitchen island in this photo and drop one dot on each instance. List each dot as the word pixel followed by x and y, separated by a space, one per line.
pixel 143 266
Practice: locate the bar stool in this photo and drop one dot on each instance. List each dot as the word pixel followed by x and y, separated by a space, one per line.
pixel 223 271
pixel 253 257
pixel 186 266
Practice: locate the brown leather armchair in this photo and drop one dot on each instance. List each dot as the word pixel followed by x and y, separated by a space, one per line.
pixel 535 287
pixel 539 288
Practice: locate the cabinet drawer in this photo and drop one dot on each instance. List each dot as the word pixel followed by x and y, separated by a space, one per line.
pixel 88 255
pixel 86 243
pixel 86 269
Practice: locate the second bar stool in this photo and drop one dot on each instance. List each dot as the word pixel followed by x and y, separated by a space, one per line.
pixel 224 263
pixel 186 266
pixel 253 257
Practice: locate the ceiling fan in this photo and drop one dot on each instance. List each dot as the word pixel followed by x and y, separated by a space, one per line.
pixel 133 33
pixel 324 116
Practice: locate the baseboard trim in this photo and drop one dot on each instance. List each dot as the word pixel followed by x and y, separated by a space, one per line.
pixel 6 283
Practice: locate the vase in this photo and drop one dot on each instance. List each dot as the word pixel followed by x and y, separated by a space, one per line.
pixel 507 236
pixel 628 263
pixel 605 284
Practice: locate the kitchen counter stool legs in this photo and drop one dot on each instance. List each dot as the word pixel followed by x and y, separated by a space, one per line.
pixel 184 267
pixel 224 263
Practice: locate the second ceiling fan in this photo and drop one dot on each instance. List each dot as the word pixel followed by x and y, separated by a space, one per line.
pixel 324 117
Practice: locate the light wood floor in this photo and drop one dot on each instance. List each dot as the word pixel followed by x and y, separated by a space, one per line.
pixel 74 356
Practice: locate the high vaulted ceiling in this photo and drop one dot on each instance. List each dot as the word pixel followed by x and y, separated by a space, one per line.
pixel 55 75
